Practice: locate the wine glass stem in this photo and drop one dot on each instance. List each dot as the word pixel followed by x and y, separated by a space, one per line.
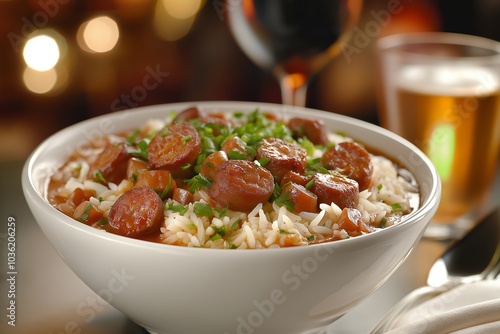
pixel 294 89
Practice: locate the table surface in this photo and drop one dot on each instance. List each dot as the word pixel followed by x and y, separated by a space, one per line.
pixel 51 299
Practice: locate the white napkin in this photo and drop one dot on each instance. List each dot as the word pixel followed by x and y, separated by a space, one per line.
pixel 468 308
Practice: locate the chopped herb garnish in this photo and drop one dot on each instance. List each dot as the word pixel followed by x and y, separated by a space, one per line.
pixel 100 199
pixel 191 226
pixel 310 184
pixel 185 139
pixel 236 155
pixel 320 169
pixel 396 207
pixel 222 231
pixel 164 132
pixel 102 222
pixel 284 200
pixel 197 182
pixel 307 145
pixel 179 208
pixel 264 161
pixel 230 245
pixel 235 225
pixel 99 177
pixel 221 212
pixel 311 238
pixel 186 166
pixel 85 215
pixel 142 152
pixel 379 187
pixel 165 191
pixel 131 139
pixel 383 222
pixel 285 232
pixel 215 237
pixel 202 209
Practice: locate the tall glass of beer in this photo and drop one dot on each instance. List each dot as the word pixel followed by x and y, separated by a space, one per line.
pixel 441 91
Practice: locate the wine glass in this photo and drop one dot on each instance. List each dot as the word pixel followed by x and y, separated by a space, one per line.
pixel 295 39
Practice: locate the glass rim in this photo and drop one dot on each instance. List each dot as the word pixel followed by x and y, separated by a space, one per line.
pixel 391 43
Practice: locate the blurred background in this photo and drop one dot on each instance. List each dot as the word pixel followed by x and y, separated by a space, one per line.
pixel 63 61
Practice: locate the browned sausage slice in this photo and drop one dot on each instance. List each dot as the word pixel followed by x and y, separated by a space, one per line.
pixel 111 164
pixel 211 164
pixel 337 189
pixel 352 160
pixel 175 148
pixel 295 177
pixel 135 166
pixel 314 130
pixel 87 213
pixel 182 196
pixel 188 115
pixel 240 185
pixel 136 212
pixel 161 181
pixel 351 221
pixel 235 148
pixel 303 200
pixel 282 157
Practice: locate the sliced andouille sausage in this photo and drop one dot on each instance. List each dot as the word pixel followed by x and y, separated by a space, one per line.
pixel 136 212
pixel 350 159
pixel 235 148
pixel 240 185
pixel 79 195
pixel 352 222
pixel 135 166
pixel 295 177
pixel 175 148
pixel 303 200
pixel 160 180
pixel 337 189
pixel 111 164
pixel 188 115
pixel 315 130
pixel 211 164
pixel 182 196
pixel 281 157
pixel 87 213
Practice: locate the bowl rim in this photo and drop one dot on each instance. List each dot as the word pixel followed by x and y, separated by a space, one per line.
pixel 31 191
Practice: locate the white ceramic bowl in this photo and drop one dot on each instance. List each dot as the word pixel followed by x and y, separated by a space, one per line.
pixel 172 289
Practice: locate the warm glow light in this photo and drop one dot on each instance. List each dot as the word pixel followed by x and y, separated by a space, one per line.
pixel 41 53
pixel 39 82
pixel 182 9
pixel 167 26
pixel 99 34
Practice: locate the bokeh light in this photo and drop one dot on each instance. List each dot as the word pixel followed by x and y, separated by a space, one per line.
pixel 99 34
pixel 182 9
pixel 41 53
pixel 174 18
pixel 39 82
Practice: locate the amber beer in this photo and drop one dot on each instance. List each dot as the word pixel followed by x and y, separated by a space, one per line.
pixel 453 115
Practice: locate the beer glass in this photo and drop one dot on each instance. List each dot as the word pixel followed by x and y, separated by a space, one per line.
pixel 441 91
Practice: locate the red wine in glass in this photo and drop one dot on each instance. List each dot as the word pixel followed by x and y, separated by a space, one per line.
pixel 295 39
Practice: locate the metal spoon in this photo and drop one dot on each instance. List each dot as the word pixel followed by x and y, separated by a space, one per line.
pixel 468 260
